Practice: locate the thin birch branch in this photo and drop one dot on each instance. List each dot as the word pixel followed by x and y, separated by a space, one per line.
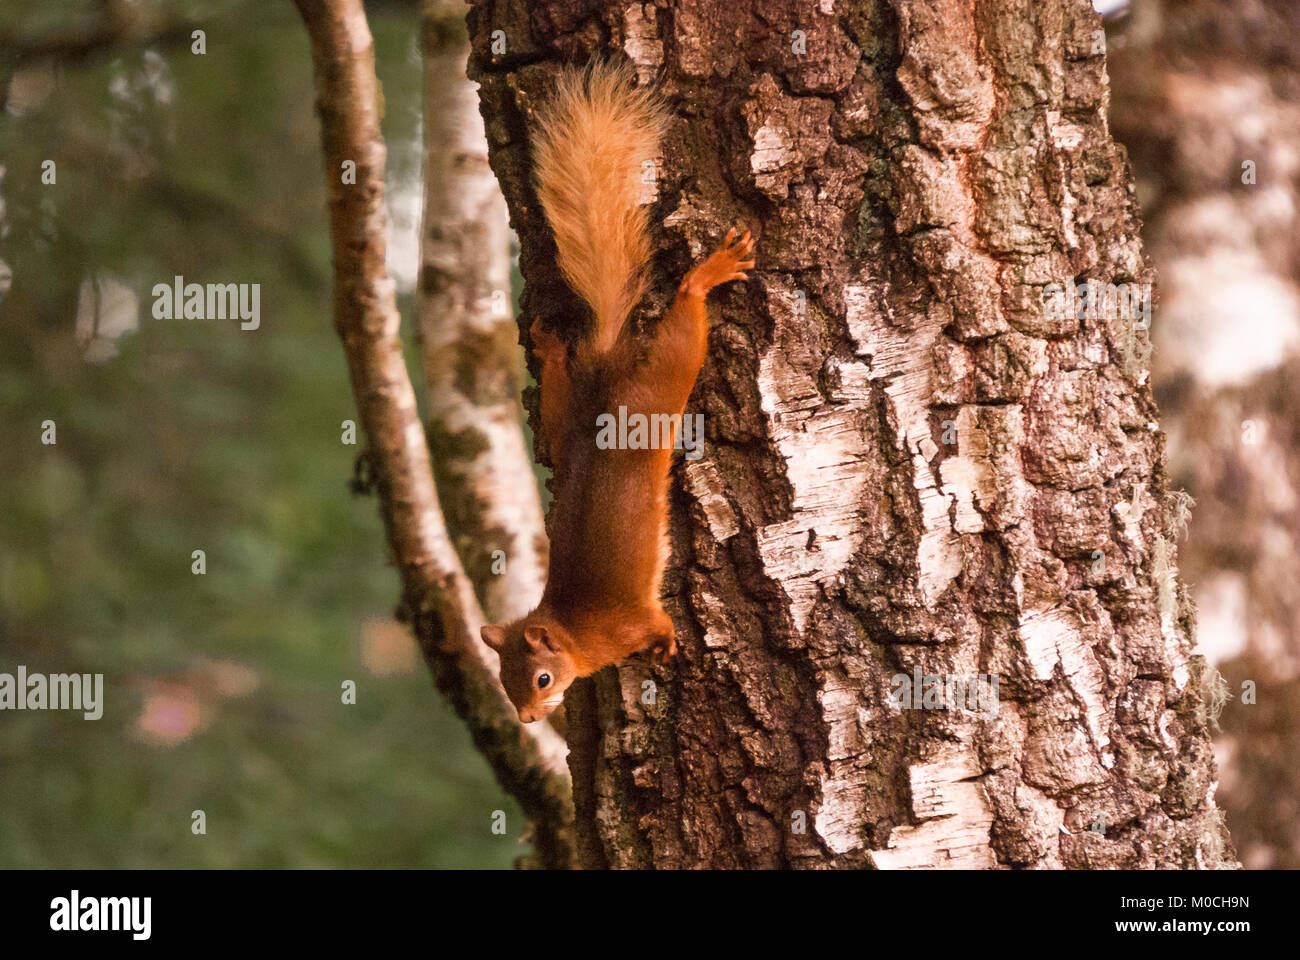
pixel 528 761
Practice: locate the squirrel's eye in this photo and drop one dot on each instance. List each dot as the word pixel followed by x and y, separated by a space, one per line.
pixel 543 681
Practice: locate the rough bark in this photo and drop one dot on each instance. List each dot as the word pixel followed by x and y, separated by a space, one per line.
pixel 916 173
pixel 1206 90
pixel 528 761
pixel 468 344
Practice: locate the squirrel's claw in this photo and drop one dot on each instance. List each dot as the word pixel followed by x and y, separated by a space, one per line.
pixel 733 256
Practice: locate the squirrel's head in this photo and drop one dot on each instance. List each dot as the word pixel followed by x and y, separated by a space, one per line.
pixel 536 667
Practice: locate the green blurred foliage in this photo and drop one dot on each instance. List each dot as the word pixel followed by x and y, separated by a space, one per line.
pixel 198 435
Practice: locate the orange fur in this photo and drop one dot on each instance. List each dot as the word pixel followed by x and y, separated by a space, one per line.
pixel 593 138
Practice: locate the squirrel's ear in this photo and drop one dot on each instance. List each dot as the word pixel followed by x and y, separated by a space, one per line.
pixel 540 636
pixel 494 636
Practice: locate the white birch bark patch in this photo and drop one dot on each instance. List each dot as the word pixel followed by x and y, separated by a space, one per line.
pixel 955 817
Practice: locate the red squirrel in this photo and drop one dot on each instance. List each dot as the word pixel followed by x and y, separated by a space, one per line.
pixel 609 524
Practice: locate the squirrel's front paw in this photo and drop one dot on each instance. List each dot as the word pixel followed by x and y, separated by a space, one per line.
pixel 728 262
pixel 663 649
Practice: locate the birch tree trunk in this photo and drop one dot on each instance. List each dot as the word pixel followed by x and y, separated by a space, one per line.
pixel 468 345
pixel 911 465
pixel 473 371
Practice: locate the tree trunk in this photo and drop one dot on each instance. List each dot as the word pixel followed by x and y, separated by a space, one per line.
pixel 468 349
pixel 912 467
pixel 472 373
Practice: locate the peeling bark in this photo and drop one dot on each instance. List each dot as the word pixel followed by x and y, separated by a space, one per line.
pixel 528 762
pixel 910 463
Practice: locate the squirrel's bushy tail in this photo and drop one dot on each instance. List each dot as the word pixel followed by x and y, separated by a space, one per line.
pixel 593 138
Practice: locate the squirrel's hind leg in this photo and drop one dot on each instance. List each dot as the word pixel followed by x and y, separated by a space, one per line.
pixel 556 390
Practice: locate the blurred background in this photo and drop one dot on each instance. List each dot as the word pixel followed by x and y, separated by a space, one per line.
pixel 223 690
pixel 1205 95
